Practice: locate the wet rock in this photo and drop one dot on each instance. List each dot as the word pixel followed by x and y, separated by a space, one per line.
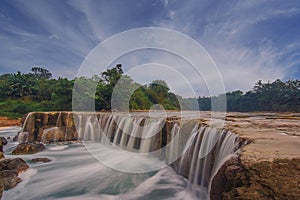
pixel 2 155
pixel 17 164
pixel 3 141
pixel 23 137
pixel 3 164
pixel 15 138
pixel 9 170
pixel 277 179
pixel 54 134
pixel 9 178
pixel 1 188
pixel 58 126
pixel 40 160
pixel 230 175
pixel 28 148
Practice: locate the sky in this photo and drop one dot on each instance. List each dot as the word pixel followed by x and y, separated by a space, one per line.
pixel 247 40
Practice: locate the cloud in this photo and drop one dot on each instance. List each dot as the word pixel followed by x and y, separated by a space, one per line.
pixel 165 2
pixel 241 38
pixel 172 14
pixel 54 36
pixel 248 40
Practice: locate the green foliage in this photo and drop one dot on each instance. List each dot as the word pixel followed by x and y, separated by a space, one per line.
pixel 156 92
pixel 277 97
pixel 17 108
pixel 37 91
pixel 41 73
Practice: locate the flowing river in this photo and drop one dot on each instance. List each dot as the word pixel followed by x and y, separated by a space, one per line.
pixel 74 174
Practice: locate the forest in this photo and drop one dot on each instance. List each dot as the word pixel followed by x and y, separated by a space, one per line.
pixel 37 90
pixel 277 96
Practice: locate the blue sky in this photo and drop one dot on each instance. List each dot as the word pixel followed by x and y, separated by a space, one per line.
pixel 248 40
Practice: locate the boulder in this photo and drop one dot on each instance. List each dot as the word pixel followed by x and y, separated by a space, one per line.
pixel 17 164
pixel 54 134
pixel 2 155
pixel 9 170
pixel 1 188
pixel 28 148
pixel 40 160
pixel 3 141
pixel 9 178
pixel 3 164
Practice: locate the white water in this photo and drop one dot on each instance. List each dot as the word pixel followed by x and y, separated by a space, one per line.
pixel 74 172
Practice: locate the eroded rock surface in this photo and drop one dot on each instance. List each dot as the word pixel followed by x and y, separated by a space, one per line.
pixel 9 170
pixel 9 178
pixel 3 141
pixel 28 148
pixel 269 166
pixel 49 127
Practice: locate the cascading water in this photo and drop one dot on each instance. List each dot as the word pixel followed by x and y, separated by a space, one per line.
pixel 204 153
pixel 196 152
pixel 199 155
pixel 58 121
pixel 23 137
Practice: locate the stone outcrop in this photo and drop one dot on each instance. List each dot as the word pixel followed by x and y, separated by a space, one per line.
pixel 9 178
pixel 3 141
pixel 9 170
pixel 269 166
pixel 279 179
pixel 55 126
pixel 28 148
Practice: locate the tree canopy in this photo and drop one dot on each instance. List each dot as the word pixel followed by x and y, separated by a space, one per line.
pixel 38 91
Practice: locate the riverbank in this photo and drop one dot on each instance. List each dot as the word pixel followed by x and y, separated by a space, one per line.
pixel 6 122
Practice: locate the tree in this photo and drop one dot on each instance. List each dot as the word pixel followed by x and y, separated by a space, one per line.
pixel 41 73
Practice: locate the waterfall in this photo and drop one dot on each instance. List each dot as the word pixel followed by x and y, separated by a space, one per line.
pixel 194 150
pixel 67 126
pixel 28 128
pixel 135 132
pixel 59 121
pixel 204 153
pixel 23 137
pixel 197 152
pixel 28 122
pixel 151 127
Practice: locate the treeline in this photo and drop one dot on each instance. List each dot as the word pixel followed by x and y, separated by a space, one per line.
pixel 277 96
pixel 38 91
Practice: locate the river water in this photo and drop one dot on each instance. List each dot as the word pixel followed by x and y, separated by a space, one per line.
pixel 74 174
